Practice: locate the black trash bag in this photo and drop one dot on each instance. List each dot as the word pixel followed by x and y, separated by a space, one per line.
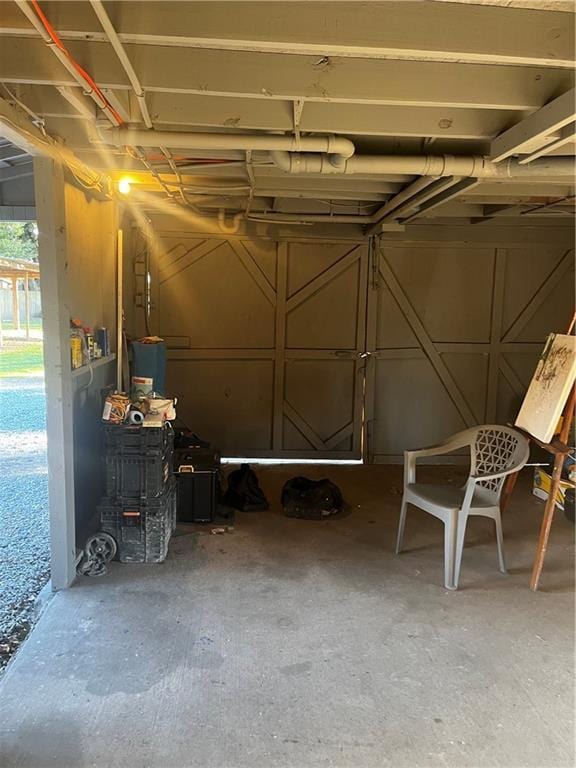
pixel 244 492
pixel 311 499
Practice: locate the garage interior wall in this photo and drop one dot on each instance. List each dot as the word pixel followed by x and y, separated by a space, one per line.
pixel 324 347
pixel 77 254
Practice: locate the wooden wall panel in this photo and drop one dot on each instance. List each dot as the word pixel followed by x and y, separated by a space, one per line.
pixel 455 333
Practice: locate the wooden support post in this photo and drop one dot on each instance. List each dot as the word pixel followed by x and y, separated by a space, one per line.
pixel 559 449
pixel 27 303
pixel 15 305
pixel 280 343
pixel 53 254
pixel 551 502
pixel 509 485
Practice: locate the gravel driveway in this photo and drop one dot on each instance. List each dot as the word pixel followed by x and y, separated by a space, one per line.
pixel 24 526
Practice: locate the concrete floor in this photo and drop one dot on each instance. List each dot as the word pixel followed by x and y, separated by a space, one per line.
pixel 300 644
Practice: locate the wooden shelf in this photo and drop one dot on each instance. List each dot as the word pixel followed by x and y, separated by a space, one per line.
pixel 94 363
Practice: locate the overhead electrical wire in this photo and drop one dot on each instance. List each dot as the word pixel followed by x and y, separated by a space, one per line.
pixel 38 121
pixel 94 90
pixel 96 181
pixel 135 152
pixel 81 71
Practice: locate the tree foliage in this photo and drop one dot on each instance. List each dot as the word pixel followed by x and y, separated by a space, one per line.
pixel 19 240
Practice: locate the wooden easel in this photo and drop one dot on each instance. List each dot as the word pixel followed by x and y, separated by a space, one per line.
pixel 559 449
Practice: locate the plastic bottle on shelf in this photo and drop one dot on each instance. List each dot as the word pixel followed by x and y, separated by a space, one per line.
pixel 89 343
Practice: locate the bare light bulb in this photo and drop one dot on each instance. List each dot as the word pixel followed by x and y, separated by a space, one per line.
pixel 124 186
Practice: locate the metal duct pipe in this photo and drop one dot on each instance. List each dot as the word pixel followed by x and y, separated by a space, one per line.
pixel 426 165
pixel 335 149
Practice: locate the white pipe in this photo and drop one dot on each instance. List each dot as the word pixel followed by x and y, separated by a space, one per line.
pixel 30 14
pixel 313 218
pixel 332 154
pixel 120 51
pixel 466 167
pixel 229 229
pixel 278 220
pixel 119 308
pixel 116 43
pixel 337 149
pixel 425 165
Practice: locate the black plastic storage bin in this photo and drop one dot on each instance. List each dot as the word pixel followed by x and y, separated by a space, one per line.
pixel 132 438
pixel 197 496
pixel 141 528
pixel 138 460
pixel 201 458
pixel 140 476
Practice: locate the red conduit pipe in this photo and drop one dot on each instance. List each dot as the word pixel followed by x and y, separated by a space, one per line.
pixel 81 71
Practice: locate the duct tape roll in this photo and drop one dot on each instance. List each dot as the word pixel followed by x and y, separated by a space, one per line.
pixel 135 417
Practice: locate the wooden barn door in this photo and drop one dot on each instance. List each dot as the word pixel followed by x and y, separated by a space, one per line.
pixel 265 342
pixel 454 334
pixel 321 333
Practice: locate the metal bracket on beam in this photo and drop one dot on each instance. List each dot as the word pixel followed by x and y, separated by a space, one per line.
pixel 298 108
pixel 75 97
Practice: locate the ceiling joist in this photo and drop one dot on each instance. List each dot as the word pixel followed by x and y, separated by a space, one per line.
pixel 536 128
pixel 276 76
pixel 439 32
pixel 398 79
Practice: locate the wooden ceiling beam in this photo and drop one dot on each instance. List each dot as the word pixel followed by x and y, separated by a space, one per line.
pixel 19 171
pixel 286 78
pixel 328 117
pixel 425 31
pixel 10 153
pixel 189 110
pixel 537 128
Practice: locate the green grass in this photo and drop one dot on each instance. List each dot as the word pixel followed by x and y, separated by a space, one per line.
pixel 35 324
pixel 18 358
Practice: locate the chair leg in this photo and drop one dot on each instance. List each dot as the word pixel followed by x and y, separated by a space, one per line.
pixel 449 551
pixel 401 524
pixel 460 537
pixel 500 543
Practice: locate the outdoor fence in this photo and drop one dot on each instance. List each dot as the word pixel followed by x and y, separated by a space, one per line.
pixel 6 306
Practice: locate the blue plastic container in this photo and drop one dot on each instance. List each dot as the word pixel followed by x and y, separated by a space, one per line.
pixel 150 360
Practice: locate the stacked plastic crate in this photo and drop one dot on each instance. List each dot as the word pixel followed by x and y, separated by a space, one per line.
pixel 139 509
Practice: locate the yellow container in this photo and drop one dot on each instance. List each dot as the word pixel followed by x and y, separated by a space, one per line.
pixel 76 352
pixel 542 484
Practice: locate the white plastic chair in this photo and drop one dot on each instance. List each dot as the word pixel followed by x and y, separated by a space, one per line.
pixel 495 452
